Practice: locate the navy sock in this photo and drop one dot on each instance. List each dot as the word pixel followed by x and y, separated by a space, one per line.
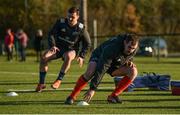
pixel 60 76
pixel 42 76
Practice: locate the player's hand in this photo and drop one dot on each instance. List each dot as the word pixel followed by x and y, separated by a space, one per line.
pixel 88 95
pixel 80 61
pixel 54 49
pixel 130 64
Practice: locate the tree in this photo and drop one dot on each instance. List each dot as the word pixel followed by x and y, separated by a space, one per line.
pixel 131 21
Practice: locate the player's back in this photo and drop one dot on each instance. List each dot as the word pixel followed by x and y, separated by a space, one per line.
pixel 116 41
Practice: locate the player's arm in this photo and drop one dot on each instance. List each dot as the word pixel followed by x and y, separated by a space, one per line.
pixel 86 43
pixel 52 34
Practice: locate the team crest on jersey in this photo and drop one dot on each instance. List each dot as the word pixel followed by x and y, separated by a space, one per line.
pixel 122 60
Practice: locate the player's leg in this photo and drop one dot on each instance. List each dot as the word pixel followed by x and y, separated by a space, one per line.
pixel 8 53
pixel 11 55
pixel 20 52
pixel 23 53
pixel 81 82
pixel 68 56
pixel 43 68
pixel 129 74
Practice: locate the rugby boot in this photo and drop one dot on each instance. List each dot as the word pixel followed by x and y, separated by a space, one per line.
pixel 69 101
pixel 56 84
pixel 40 87
pixel 114 99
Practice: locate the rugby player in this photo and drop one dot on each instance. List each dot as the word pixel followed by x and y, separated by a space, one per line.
pixel 64 40
pixel 113 57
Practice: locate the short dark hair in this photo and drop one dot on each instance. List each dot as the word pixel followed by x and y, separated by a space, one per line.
pixel 132 37
pixel 73 10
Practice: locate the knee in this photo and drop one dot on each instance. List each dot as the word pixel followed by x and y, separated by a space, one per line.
pixel 132 72
pixel 69 57
pixel 43 60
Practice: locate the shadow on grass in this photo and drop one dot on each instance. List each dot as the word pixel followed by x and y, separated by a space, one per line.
pixel 61 102
pixel 95 102
pixel 134 93
pixel 156 62
pixel 33 91
pixel 140 107
pixel 174 62
pixel 137 100
pixel 28 83
pixel 150 94
pixel 153 100
pixel 35 83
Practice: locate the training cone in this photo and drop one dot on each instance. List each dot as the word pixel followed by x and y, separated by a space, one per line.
pixel 82 103
pixel 12 94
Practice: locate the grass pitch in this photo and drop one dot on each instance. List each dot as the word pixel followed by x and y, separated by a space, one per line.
pixel 23 77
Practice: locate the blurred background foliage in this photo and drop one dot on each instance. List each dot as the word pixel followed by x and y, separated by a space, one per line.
pixel 113 16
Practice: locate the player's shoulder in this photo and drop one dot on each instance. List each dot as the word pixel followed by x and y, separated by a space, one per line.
pixel 115 39
pixel 120 38
pixel 115 42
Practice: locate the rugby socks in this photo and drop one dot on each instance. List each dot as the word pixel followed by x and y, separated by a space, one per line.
pixel 80 84
pixel 42 76
pixel 122 85
pixel 60 76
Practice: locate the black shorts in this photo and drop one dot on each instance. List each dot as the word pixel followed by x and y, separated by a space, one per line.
pixel 59 54
pixel 95 57
pixel 111 69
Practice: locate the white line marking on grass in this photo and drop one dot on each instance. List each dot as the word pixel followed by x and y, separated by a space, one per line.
pixel 26 73
pixel 60 89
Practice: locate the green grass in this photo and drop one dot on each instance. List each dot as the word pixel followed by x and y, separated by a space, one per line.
pixel 17 75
